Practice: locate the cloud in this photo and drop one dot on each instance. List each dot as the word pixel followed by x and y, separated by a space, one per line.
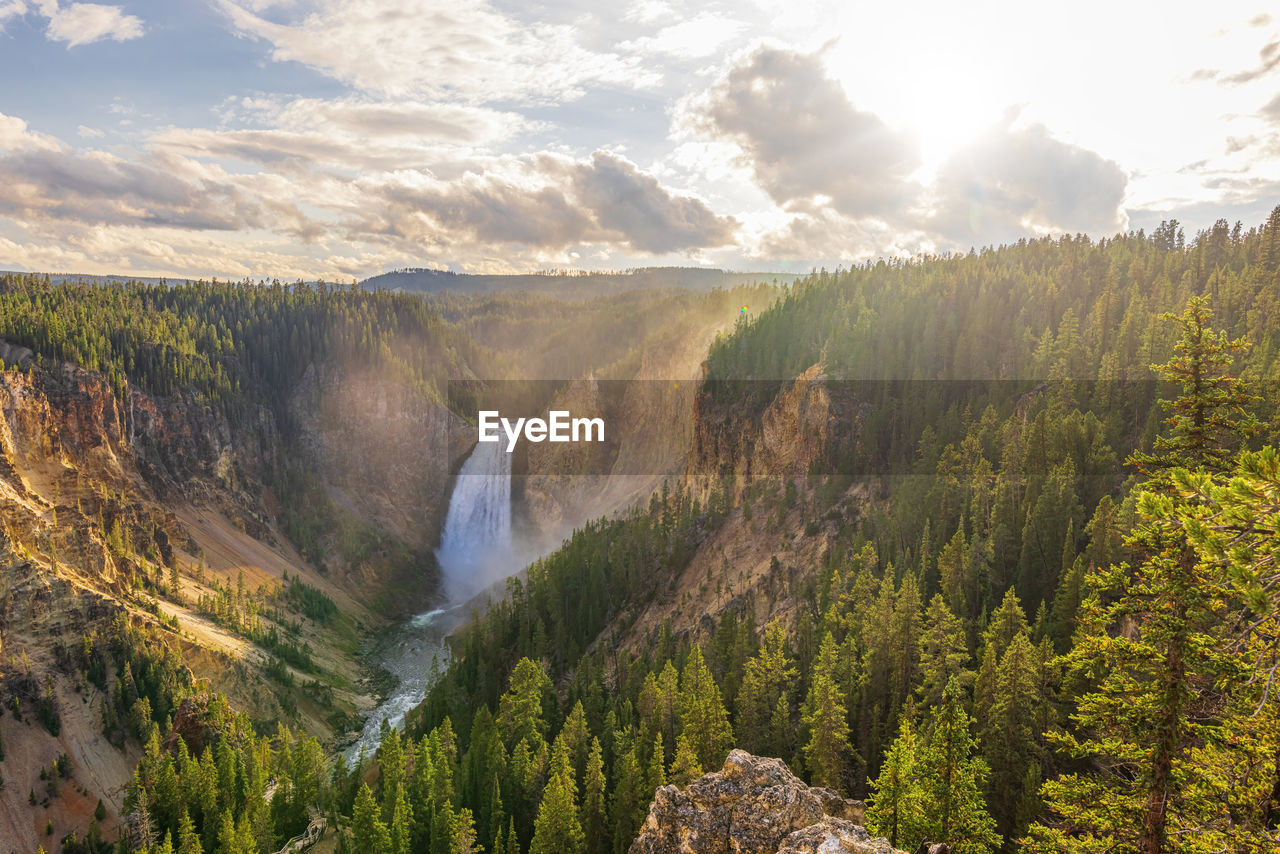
pixel 1271 110
pixel 636 208
pixel 1268 60
pixel 86 23
pixel 497 212
pixel 1011 181
pixel 393 119
pixel 11 9
pixel 97 188
pixel 466 51
pixel 699 36
pixel 42 179
pixel 803 138
pixel 350 133
pixel 545 202
pixel 88 132
pixel 824 236
pixel 15 136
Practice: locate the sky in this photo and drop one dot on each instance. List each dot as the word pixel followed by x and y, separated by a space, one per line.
pixel 344 138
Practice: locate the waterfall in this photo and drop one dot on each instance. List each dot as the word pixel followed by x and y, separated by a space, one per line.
pixel 475 546
pixel 475 551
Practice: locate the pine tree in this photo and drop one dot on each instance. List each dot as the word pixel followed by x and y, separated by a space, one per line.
pixel 1066 603
pixel 520 711
pixel 684 768
pixel 952 779
pixel 827 752
pixel 1010 728
pixel 703 719
pixel 391 764
pixel 943 651
pixel 1211 414
pixel 188 841
pixel 906 629
pixel 953 570
pixel 1157 686
pixel 628 801
pixel 556 829
pixel 668 708
pixel 401 824
pixel 768 680
pixel 896 808
pixel 462 833
pixel 368 831
pixel 657 774
pixel 594 816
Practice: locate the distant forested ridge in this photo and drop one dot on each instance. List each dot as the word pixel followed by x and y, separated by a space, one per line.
pixel 572 284
pixel 231 343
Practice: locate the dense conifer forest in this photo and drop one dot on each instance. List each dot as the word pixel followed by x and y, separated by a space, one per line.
pixel 1047 620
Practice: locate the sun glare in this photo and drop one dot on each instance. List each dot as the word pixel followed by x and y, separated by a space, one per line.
pixel 944 90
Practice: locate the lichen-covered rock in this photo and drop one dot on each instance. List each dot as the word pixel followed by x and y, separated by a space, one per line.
pixel 837 805
pixel 751 806
pixel 834 836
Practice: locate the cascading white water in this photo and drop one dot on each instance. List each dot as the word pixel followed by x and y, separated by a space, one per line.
pixel 475 551
pixel 475 545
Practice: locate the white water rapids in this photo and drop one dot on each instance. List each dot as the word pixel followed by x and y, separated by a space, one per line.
pixel 475 551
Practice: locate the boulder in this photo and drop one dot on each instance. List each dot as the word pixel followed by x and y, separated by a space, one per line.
pixel 834 836
pixel 753 805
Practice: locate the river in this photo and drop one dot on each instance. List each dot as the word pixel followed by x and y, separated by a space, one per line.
pixel 475 551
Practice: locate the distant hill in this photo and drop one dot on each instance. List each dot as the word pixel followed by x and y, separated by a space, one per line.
pixel 59 278
pixel 571 285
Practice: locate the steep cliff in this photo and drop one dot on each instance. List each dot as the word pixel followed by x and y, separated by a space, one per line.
pixel 756 451
pixel 154 509
pixel 789 435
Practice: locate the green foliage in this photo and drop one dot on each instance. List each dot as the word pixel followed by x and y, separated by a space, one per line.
pixel 1159 649
pixel 896 810
pixel 824 716
pixel 952 778
pixel 313 603
pixel 557 829
pixel 568 714
pixel 764 707
pixel 368 832
pixel 704 723
pixel 233 345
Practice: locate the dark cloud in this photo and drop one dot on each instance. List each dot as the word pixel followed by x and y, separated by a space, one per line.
pixel 1010 181
pixel 642 212
pixel 804 138
pixel 557 204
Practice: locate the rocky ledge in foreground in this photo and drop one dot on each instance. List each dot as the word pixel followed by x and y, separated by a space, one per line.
pixel 754 806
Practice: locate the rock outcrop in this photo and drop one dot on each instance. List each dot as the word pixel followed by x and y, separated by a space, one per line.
pixel 735 434
pixel 754 806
